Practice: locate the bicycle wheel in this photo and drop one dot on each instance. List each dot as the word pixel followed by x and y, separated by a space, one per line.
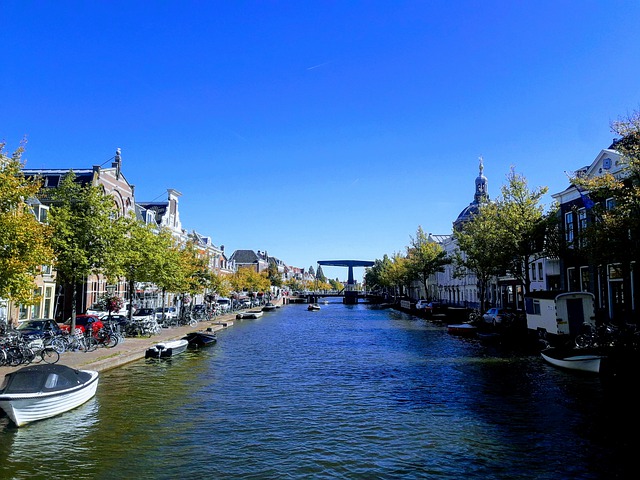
pixel 90 344
pixel 193 322
pixel 111 340
pixel 58 344
pixel 49 355
pixel 583 341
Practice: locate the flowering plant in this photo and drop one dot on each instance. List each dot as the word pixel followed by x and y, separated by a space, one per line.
pixel 113 303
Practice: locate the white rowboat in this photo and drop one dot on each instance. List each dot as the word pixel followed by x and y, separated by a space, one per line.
pixel 43 391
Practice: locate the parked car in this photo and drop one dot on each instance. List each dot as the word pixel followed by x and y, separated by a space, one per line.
pixel 169 313
pixel 121 320
pixel 99 310
pixel 37 327
pixel 495 316
pixel 82 322
pixel 423 306
pixel 144 314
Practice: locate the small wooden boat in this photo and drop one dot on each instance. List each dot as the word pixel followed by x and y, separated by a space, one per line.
pixel 201 338
pixel 313 307
pixel 462 329
pixel 268 307
pixel 43 391
pixel 577 359
pixel 167 349
pixel 250 314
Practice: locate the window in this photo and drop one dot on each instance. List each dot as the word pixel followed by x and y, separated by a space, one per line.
pixel 36 308
pixel 532 306
pixel 610 203
pixel 568 228
pixel 584 279
pixel 540 276
pixel 52 181
pixel 582 224
pixel 41 212
pixel 48 300
pixel 533 271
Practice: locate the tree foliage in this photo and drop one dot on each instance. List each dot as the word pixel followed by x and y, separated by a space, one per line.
pixel 519 221
pixel 24 241
pixel 612 236
pixel 479 250
pixel 320 275
pixel 247 279
pixel 425 258
pixel 84 238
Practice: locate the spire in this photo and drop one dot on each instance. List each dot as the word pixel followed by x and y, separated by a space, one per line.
pixel 482 194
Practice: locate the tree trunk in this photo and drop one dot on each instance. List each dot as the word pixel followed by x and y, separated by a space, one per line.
pixel 74 292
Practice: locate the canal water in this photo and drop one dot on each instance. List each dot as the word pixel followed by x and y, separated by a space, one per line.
pixel 347 392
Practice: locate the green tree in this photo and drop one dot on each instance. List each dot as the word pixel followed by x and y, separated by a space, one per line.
pixel 425 258
pixel 320 275
pixel 275 278
pixel 247 279
pixel 479 250
pixel 84 239
pixel 519 221
pixel 336 284
pixel 140 252
pixel 398 274
pixel 24 241
pixel 377 276
pixel 612 236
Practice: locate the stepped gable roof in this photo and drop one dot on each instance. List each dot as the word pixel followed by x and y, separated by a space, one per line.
pixel 481 195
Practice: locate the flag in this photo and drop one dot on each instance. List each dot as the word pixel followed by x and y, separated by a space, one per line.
pixel 586 201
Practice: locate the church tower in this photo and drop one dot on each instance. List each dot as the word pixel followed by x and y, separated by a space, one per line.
pixel 481 196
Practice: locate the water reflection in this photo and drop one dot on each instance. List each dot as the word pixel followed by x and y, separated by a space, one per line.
pixel 342 393
pixel 37 449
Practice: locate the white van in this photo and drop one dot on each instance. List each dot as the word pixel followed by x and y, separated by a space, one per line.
pixel 98 310
pixel 224 303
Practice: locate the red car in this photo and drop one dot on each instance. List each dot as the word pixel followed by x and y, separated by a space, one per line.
pixel 82 321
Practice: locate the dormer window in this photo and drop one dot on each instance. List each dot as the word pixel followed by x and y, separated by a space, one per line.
pixel 52 181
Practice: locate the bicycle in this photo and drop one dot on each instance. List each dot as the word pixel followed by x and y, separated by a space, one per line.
pixel 42 353
pixel 475 315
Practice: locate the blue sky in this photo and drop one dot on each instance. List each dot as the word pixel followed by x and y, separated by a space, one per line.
pixel 318 130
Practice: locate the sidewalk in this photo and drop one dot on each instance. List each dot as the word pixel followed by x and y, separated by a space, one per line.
pixel 133 348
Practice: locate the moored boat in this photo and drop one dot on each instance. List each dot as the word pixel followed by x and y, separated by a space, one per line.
pixel 578 359
pixel 462 329
pixel 42 391
pixel 201 338
pixel 167 349
pixel 268 307
pixel 250 314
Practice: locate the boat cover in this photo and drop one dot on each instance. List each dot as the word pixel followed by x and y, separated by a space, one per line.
pixel 42 378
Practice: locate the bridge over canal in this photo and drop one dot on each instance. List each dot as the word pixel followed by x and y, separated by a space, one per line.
pixel 350 292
